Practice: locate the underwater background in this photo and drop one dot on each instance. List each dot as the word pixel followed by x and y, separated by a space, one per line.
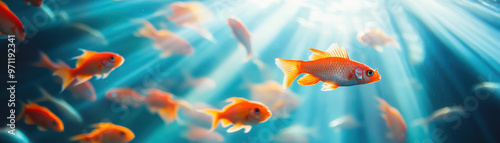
pixel 449 49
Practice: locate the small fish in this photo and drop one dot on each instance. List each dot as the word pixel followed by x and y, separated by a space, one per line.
pixel 163 103
pixel 295 134
pixel 443 114
pixel 41 116
pixel 344 122
pixel 166 41
pixel 243 114
pixel 191 15
pixel 61 105
pixel 90 64
pixel 36 3
pixel 486 88
pixel 394 121
pixel 377 38
pixel 106 133
pixel 84 90
pixel 125 96
pixel 199 134
pixel 281 102
pixel 201 84
pixel 242 34
pixel 333 67
pixel 10 24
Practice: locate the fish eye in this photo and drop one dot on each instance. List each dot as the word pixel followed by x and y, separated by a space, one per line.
pixel 54 123
pixel 111 58
pixel 257 110
pixel 122 133
pixel 369 73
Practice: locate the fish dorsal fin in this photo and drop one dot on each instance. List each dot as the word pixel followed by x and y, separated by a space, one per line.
pixel 102 125
pixel 236 100
pixel 83 57
pixel 161 93
pixel 333 51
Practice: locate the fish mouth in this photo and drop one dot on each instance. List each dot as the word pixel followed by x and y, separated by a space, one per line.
pixel 107 64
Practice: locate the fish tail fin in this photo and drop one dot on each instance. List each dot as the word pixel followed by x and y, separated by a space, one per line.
pixel 21 115
pixel 81 137
pixel 168 115
pixel 44 61
pixel 66 75
pixel 384 106
pixel 148 30
pixel 291 69
pixel 215 114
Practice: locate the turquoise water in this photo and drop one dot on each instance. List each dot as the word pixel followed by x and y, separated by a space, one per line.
pixel 448 49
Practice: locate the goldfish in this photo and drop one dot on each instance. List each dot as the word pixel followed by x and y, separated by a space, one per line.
pixel 90 64
pixel 242 34
pixel 163 103
pixel 36 3
pixel 61 106
pixel 125 96
pixel 199 134
pixel 166 41
pixel 191 15
pixel 377 38
pixel 106 133
pixel 444 114
pixel 281 102
pixel 347 122
pixel 84 90
pixel 394 121
pixel 41 116
pixel 240 113
pixel 10 23
pixel 333 67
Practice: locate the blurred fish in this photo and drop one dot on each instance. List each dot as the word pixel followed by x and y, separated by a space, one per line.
pixel 6 137
pixel 36 3
pixel 61 105
pixel 196 117
pixel 243 114
pixel 50 13
pixel 344 122
pixel 10 24
pixel 202 135
pixel 201 84
pixel 125 97
pixel 377 38
pixel 394 121
pixel 41 116
pixel 281 102
pixel 84 90
pixel 90 64
pixel 333 67
pixel 443 114
pixel 106 133
pixel 90 30
pixel 163 103
pixel 166 41
pixel 242 34
pixel 192 15
pixel 295 134
pixel 491 87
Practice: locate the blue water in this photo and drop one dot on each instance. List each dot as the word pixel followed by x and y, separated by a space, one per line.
pixel 448 47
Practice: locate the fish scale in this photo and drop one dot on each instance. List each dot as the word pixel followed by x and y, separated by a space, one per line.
pixel 323 69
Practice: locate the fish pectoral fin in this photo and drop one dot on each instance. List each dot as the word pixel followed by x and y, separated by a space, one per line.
pixel 41 128
pixel 236 100
pixel 105 75
pixel 226 122
pixel 168 115
pixel 82 79
pixel 237 127
pixel 98 76
pixel 333 51
pixel 247 128
pixel 308 79
pixel 329 86
pixel 28 120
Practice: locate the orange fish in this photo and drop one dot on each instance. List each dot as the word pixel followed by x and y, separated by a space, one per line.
pixel 163 103
pixel 84 90
pixel 242 34
pixel 166 41
pixel 192 15
pixel 394 121
pixel 90 64
pixel 377 38
pixel 36 3
pixel 125 96
pixel 243 114
pixel 106 133
pixel 333 67
pixel 41 116
pixel 10 24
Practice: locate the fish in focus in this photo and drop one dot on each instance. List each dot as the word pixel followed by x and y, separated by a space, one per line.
pixel 192 15
pixel 41 116
pixel 394 121
pixel 448 114
pixel 166 41
pixel 241 113
pixel 125 97
pixel 36 3
pixel 61 105
pixel 10 24
pixel 164 104
pixel 90 64
pixel 199 134
pixel 344 122
pixel 106 133
pixel 84 90
pixel 377 38
pixel 281 102
pixel 333 67
pixel 242 34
